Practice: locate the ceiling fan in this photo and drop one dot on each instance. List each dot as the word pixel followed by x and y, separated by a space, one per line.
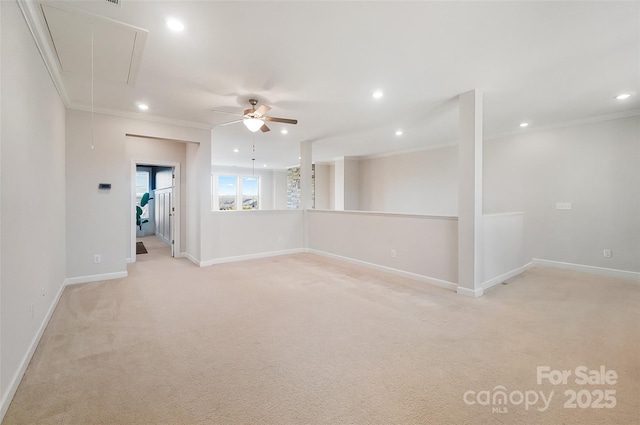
pixel 254 119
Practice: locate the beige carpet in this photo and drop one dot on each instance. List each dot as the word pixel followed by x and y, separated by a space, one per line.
pixel 302 339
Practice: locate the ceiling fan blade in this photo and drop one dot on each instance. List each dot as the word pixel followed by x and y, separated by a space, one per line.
pixel 264 128
pixel 282 120
pixel 228 122
pixel 225 112
pixel 262 109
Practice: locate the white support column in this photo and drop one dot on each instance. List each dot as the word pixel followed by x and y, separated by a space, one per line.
pixel 470 194
pixel 306 194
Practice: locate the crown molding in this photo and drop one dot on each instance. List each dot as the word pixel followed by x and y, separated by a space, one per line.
pixel 573 123
pixel 35 22
pixel 565 124
pixel 139 116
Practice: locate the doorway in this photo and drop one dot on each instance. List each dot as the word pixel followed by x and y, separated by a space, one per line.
pixel 160 217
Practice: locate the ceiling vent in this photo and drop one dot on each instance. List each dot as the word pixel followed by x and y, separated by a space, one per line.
pixel 114 2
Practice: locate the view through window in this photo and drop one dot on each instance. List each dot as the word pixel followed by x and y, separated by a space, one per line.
pixel 237 192
pixel 142 187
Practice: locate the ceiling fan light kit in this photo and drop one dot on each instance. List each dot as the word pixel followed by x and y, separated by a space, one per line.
pixel 254 119
pixel 253 124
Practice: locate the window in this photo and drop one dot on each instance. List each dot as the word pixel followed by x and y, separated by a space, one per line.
pixel 250 193
pixel 237 192
pixel 142 187
pixel 227 192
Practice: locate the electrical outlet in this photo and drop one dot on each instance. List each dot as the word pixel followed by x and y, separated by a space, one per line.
pixel 96 258
pixel 393 253
pixel 606 253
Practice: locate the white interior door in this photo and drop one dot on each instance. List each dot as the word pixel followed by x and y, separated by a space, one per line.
pixel 164 215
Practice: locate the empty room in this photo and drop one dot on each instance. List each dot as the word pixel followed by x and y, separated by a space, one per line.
pixel 319 212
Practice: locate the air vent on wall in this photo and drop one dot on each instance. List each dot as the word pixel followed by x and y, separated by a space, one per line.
pixel 115 2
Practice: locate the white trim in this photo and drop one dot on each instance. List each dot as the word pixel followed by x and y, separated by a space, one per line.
pixel 249 257
pixel 384 214
pixel 470 292
pixel 139 116
pixel 176 200
pixel 128 260
pixel 33 16
pixel 26 359
pixel 421 278
pixel 407 151
pixel 191 258
pixel 602 271
pixel 95 278
pixel 504 214
pixel 508 275
pixel 573 123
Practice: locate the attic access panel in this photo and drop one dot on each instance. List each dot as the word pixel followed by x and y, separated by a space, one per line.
pixel 117 47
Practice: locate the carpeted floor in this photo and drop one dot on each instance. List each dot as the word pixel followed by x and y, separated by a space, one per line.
pixel 303 339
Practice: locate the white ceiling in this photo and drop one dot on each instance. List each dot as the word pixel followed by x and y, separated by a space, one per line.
pixel 545 63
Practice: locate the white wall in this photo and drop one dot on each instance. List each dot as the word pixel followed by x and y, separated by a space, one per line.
pixel 422 182
pixel 198 195
pixel 332 186
pixel 235 235
pixel 426 247
pixel 99 222
pixel 32 203
pixel 596 167
pixel 322 182
pixel 351 184
pixel 338 184
pixel 502 247
pixel 280 189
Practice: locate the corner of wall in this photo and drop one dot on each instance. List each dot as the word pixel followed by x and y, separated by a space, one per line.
pixel 26 359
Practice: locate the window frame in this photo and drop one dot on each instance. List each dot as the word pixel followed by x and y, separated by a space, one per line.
pixel 239 196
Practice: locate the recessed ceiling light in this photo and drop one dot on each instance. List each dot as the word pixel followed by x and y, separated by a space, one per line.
pixel 175 25
pixel 524 124
pixel 264 165
pixel 377 94
pixel 236 150
pixel 623 96
pixel 143 106
pixel 398 132
pixel 284 131
pixel 299 157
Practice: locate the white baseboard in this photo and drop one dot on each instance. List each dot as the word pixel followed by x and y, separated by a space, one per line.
pixel 26 359
pixel 499 279
pixel 474 293
pixel 191 258
pixel 620 274
pixel 128 260
pixel 421 278
pixel 95 278
pixel 249 257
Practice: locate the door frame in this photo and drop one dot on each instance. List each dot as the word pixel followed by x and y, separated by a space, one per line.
pixel 176 204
